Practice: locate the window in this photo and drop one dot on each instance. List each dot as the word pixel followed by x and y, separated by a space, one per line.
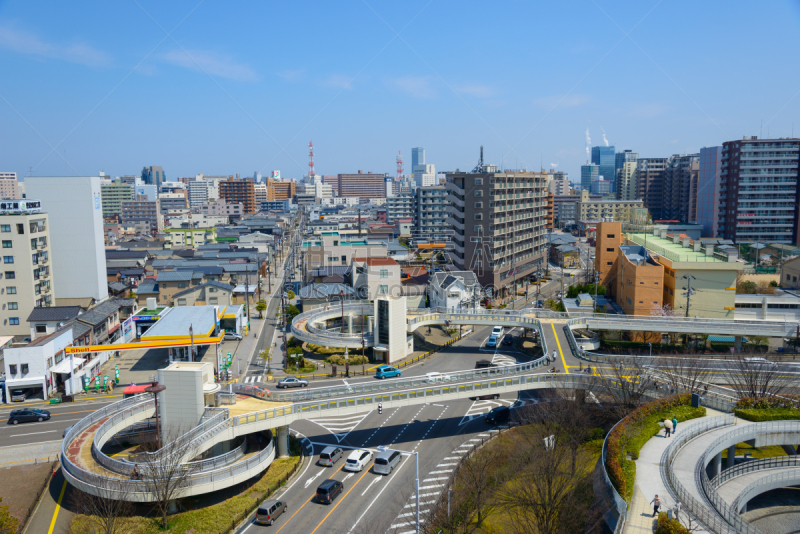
pixel 12 369
pixel 479 216
pixel 5 228
pixel 13 306
pixel 609 250
pixel 384 290
pixel 384 273
pixel 212 300
pixel 212 289
pixel 11 290
pixel 181 285
pixel 610 236
pixel 361 270
pixel 8 259
pixel 641 283
pixel 478 205
pixel 479 228
pixel 6 244
pixel 478 181
pixel 479 193
pixel 610 263
pixel 13 320
pixel 41 328
pixel 20 229
pixel 24 368
pixel 181 302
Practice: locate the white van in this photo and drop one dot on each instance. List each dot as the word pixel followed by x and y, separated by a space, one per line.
pixel 436 376
pixel 386 461
pixel 497 331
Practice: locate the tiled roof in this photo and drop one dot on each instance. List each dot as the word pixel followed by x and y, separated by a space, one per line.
pixel 213 271
pixel 147 287
pixel 54 313
pixel 126 254
pixel 99 313
pixel 132 272
pixel 174 276
pixel 213 283
pixel 332 269
pixel 117 286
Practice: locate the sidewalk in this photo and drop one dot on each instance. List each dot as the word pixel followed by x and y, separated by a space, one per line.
pixel 649 482
pixel 30 453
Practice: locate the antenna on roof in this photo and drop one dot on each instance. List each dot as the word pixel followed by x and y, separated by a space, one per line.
pixel 479 167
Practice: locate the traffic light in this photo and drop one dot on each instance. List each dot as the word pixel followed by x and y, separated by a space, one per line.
pixel 380 408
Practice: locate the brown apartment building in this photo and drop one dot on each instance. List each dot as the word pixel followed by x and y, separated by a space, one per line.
pixel 607 241
pixel 364 185
pixel 280 191
pixel 235 191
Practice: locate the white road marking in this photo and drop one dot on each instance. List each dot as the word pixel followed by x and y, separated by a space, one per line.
pixel 347 476
pixel 377 479
pixel 32 434
pixel 391 477
pixel 310 480
pixel 440 472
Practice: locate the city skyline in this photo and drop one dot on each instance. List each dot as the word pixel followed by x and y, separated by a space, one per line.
pixel 172 90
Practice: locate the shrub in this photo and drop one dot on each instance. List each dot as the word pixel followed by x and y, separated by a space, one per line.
pixel 294 350
pixel 354 359
pixel 773 283
pixel 768 414
pixel 669 526
pixel 763 403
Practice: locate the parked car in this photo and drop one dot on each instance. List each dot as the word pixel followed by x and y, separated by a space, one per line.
pixel 498 415
pixel 357 460
pixel 27 416
pixel 484 364
pixel 492 343
pixel 386 371
pixel 269 511
pixel 386 461
pixel 497 331
pixel 18 395
pixel 293 382
pixel 329 490
pixel 329 456
pixel 232 336
pixel 508 340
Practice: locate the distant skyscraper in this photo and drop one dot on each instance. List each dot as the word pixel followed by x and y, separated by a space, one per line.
pixel 589 174
pixel 153 175
pixel 709 181
pixel 417 157
pixel 620 159
pixel 604 157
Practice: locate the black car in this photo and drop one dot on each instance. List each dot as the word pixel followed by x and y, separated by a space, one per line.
pixel 26 416
pixel 498 415
pixel 329 490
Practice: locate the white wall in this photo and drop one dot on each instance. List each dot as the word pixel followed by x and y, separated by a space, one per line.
pixel 36 358
pixel 76 233
pixel 181 405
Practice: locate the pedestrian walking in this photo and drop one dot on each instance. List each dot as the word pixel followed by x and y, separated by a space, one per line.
pixel 674 424
pixel 656 502
pixel 554 355
pixel 667 427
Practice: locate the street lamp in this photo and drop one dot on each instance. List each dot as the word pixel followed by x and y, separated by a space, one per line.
pixel 155 389
pixel 191 337
pixel 383 448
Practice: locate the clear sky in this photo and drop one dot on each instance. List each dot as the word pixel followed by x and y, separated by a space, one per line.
pixel 236 87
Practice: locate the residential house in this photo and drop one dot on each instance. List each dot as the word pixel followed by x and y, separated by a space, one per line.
pixel 170 282
pixel 45 321
pixel 320 295
pixel 373 277
pixel 455 290
pixel 207 294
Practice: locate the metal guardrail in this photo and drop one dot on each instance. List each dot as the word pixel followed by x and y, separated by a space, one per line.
pixel 646 323
pixel 751 466
pixel 220 415
pixel 620 505
pixel 226 398
pixel 786 478
pixel 219 461
pixel 122 466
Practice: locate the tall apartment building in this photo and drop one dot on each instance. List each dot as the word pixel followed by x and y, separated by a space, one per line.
pixel 589 174
pixel 153 175
pixel 758 191
pixel 559 185
pixel 333 181
pixel 604 157
pixel 198 193
pixel 234 191
pixel 620 159
pixel 626 181
pixel 424 175
pixel 680 188
pixel 260 190
pixel 399 207
pixel 222 208
pixel 285 190
pixel 9 187
pixel 708 184
pixel 601 187
pixel 26 277
pixel 498 219
pixel 430 205
pixel 598 210
pixel 172 202
pixel 364 185
pixel 650 184
pixel 74 209
pixel 113 195
pixel 142 212
pixel 550 205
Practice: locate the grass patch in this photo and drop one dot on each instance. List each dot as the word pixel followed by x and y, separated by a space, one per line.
pixel 757 452
pixel 768 414
pixel 214 519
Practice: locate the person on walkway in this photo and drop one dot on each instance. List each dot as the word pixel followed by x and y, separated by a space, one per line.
pixel 667 427
pixel 656 502
pixel 674 424
pixel 554 355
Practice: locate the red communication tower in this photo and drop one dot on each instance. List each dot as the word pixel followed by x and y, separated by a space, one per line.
pixel 399 165
pixel 311 159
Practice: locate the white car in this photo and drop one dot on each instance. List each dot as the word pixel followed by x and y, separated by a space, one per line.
pixel 497 331
pixel 436 377
pixel 357 460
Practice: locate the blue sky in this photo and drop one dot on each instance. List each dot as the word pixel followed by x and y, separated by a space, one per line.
pixel 222 87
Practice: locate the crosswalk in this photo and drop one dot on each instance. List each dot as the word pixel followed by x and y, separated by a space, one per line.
pixel 482 407
pixel 251 379
pixel 340 426
pixel 431 488
pixel 502 360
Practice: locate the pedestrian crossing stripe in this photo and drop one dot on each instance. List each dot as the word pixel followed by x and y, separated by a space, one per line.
pixel 252 379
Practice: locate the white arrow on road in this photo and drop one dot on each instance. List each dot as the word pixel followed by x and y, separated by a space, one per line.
pixel 348 476
pixel 310 480
pixel 377 479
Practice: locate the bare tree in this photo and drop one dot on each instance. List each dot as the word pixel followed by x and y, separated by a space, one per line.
pixel 688 374
pixel 625 384
pixel 106 511
pixel 757 378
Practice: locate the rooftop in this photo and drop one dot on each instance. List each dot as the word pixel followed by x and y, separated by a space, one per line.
pixel 176 323
pixel 672 251
pixel 377 261
pixel 55 313
pixel 174 276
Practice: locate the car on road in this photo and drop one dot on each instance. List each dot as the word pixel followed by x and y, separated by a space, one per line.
pixel 18 395
pixel 386 461
pixel 329 490
pixel 497 331
pixel 508 340
pixel 484 364
pixel 386 371
pixel 436 376
pixel 293 382
pixel 269 511
pixel 27 416
pixel 498 415
pixel 232 336
pixel 492 343
pixel 329 456
pixel 357 460
pixel 491 396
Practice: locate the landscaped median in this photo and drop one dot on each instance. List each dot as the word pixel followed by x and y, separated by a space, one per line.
pixel 768 409
pixel 630 435
pixel 221 517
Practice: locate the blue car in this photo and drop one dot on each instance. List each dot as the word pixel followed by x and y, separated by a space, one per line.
pixel 492 343
pixel 386 371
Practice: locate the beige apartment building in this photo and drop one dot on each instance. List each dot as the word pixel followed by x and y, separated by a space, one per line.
pixel 9 186
pixel 376 277
pixel 26 276
pixel 596 210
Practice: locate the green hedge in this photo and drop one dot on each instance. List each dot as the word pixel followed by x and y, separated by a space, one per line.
pixel 769 414
pixel 669 526
pixel 640 346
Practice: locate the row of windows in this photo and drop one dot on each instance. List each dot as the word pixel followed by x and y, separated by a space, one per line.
pixel 776 306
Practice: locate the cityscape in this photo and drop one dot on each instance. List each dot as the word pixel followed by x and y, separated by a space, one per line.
pixel 360 291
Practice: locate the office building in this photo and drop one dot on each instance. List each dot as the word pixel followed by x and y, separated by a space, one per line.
pixel 142 212
pixel 498 220
pixel 277 190
pixel 650 184
pixel 708 189
pixel 430 205
pixel 399 207
pixel 172 202
pixel 601 187
pixel 559 185
pixel 113 195
pixel 198 193
pixel 9 187
pixel 620 159
pixel 153 175
pixel 680 188
pixel 424 175
pixel 605 159
pixel 606 210
pixel 260 191
pixel 626 181
pixel 26 275
pixel 758 199
pixel 235 191
pixel 364 185
pixel 74 207
pixel 589 174
pixel 417 156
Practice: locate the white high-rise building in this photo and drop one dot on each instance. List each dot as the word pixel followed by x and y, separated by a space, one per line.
pixel 75 210
pixel 9 187
pixel 424 175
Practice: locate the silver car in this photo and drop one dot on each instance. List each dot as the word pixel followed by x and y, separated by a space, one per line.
pixel 293 382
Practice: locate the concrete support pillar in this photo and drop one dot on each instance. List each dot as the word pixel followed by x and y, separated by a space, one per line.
pixel 717 469
pixel 790 450
pixel 737 341
pixel 370 322
pixel 283 442
pixel 731 457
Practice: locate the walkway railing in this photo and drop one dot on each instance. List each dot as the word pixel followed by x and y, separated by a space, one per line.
pixel 775 480
pixel 184 440
pixel 122 466
pixel 684 324
pixel 619 504
pixel 751 466
pixel 219 461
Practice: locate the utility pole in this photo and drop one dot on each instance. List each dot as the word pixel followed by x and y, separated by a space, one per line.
pixel 689 291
